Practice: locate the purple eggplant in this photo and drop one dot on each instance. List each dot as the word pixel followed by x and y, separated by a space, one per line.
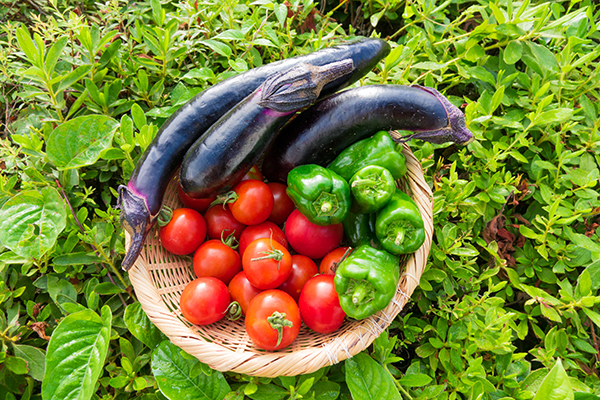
pixel 230 147
pixel 140 200
pixel 320 133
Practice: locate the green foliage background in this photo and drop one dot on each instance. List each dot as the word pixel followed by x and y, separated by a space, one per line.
pixel 508 305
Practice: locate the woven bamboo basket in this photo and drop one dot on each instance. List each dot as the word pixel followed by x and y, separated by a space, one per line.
pixel 159 277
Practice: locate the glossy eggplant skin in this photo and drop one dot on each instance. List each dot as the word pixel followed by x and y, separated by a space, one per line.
pixel 164 155
pixel 320 133
pixel 140 200
pixel 233 144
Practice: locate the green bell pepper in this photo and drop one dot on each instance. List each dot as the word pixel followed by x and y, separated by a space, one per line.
pixel 320 194
pixel 366 281
pixel 399 225
pixel 372 187
pixel 379 149
pixel 359 229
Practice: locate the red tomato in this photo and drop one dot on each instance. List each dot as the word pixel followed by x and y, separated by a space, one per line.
pixel 303 268
pixel 284 315
pixel 312 240
pixel 267 263
pixel 330 262
pixel 184 233
pixel 200 205
pixel 265 229
pixel 283 205
pixel 320 305
pixel 204 301
pixel 242 291
pixel 215 258
pixel 221 223
pixel 254 173
pixel 254 203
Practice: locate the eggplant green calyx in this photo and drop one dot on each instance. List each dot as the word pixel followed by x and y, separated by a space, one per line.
pixel 399 225
pixel 278 321
pixel 300 86
pixel 320 194
pixel 456 131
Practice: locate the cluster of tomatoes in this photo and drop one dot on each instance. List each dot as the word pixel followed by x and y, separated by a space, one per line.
pixel 242 258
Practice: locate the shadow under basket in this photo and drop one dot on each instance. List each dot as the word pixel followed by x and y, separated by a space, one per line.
pixel 159 277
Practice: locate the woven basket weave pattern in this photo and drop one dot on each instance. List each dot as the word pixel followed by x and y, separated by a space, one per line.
pixel 159 277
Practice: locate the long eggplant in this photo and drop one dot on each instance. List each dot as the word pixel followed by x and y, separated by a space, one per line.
pixel 320 133
pixel 140 201
pixel 233 144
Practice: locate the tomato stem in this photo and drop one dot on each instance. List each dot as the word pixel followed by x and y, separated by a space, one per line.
pixel 233 311
pixel 165 215
pixel 229 197
pixel 278 321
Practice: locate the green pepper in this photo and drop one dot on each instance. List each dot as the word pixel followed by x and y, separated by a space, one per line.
pixel 372 187
pixel 366 281
pixel 320 194
pixel 359 229
pixel 399 225
pixel 379 149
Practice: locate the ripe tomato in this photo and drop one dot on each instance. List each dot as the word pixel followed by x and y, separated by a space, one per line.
pixel 254 173
pixel 283 205
pixel 242 291
pixel 200 205
pixel 267 263
pixel 265 229
pixel 184 233
pixel 273 320
pixel 303 268
pixel 312 240
pixel 217 259
pixel 204 301
pixel 320 305
pixel 221 223
pixel 330 262
pixel 254 202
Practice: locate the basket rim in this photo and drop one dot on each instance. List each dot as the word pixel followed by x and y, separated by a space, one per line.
pixel 295 359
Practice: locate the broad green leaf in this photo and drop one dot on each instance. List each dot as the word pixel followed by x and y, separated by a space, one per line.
pixel 35 358
pixel 16 365
pixel 76 259
pixel 415 380
pixel 173 373
pixel 324 390
pixel 79 142
pixel 556 385
pixel 540 59
pixel 368 380
pixel 585 396
pixel 107 288
pixel 141 327
pixel 73 76
pixel 76 355
pixel 31 221
pixel 554 116
pixel 230 34
pixel 218 47
pixel 28 46
pixel 55 52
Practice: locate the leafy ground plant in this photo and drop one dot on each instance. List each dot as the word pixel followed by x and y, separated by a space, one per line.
pixel 508 305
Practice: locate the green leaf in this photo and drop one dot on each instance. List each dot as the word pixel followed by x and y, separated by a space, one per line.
pixel 138 116
pixel 107 288
pixel 556 385
pixel 218 47
pixel 31 221
pixel 35 358
pixel 141 327
pixel 16 365
pixel 554 116
pixel 585 396
pixel 73 76
pixel 415 380
pixel 540 59
pixel 28 46
pixel 76 259
pixel 76 355
pixel 55 52
pixel 79 142
pixel 367 379
pixel 173 373
pixel 231 34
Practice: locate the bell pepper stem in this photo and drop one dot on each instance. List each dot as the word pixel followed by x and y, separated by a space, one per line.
pixel 361 290
pixel 365 182
pixel 278 321
pixel 399 236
